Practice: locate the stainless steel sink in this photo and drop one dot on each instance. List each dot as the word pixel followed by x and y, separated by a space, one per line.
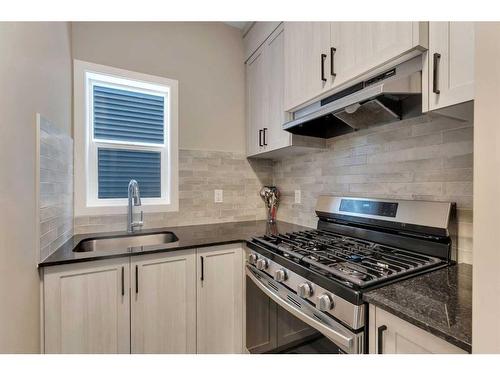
pixel 125 241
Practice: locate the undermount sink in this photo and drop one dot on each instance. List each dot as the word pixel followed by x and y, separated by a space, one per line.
pixel 125 241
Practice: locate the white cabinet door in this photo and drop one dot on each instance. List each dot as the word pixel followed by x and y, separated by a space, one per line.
pixel 364 46
pixel 307 45
pixel 220 299
pixel 275 136
pixel 320 56
pixel 265 113
pixel 451 63
pixel 87 307
pixel 256 101
pixel 257 34
pixel 163 306
pixel 351 57
pixel 400 337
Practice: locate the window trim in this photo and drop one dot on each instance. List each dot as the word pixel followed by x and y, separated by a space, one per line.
pixel 85 151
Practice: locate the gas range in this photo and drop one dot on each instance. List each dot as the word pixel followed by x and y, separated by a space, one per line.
pixel 319 275
pixel 350 261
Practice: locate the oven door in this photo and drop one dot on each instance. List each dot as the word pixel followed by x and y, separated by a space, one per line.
pixel 346 340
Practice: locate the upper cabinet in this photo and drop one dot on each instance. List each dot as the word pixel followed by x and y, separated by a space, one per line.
pixel 265 113
pixel 307 61
pixel 256 104
pixel 295 64
pixel 324 57
pixel 358 47
pixel 273 66
pixel 450 64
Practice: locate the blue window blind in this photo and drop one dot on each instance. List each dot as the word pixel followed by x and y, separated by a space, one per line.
pixel 117 167
pixel 123 115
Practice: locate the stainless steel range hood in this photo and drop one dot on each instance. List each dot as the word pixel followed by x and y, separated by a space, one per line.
pixel 387 97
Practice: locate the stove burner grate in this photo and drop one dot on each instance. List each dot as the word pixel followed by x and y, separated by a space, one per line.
pixel 350 260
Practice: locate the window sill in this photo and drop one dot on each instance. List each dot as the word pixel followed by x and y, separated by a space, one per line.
pixel 122 209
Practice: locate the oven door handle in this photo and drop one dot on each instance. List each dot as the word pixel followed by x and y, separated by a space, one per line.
pixel 343 341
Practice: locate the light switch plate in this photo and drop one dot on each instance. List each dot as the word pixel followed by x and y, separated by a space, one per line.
pixel 218 198
pixel 297 197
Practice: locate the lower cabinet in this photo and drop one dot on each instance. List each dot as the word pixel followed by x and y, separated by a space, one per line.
pixel 186 301
pixel 392 335
pixel 220 300
pixel 87 307
pixel 163 303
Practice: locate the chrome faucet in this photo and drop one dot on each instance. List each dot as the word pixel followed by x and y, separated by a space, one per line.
pixel 133 196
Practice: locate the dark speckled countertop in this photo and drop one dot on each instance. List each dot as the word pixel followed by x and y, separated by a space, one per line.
pixel 189 237
pixel 439 302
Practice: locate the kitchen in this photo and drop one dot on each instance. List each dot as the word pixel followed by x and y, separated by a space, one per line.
pixel 249 187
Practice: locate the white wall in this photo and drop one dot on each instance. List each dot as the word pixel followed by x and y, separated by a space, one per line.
pixel 205 57
pixel 486 278
pixel 35 76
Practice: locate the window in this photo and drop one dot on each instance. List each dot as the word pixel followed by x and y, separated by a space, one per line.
pixel 125 128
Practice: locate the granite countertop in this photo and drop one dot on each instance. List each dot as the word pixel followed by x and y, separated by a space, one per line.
pixel 439 302
pixel 189 237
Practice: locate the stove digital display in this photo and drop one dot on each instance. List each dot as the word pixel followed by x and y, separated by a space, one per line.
pixel 388 209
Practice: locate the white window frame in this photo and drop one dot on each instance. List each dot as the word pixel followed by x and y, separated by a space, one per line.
pixel 86 75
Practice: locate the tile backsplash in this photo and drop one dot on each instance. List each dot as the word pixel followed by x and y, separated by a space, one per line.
pixel 200 173
pixel 429 158
pixel 56 187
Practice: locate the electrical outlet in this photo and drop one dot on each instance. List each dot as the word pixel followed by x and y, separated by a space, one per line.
pixel 297 196
pixel 218 196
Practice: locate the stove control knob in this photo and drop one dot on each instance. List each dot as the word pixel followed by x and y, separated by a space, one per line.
pixel 325 302
pixel 305 290
pixel 262 264
pixel 252 258
pixel 280 275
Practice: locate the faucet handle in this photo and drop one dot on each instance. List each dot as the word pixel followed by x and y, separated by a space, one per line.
pixel 141 222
